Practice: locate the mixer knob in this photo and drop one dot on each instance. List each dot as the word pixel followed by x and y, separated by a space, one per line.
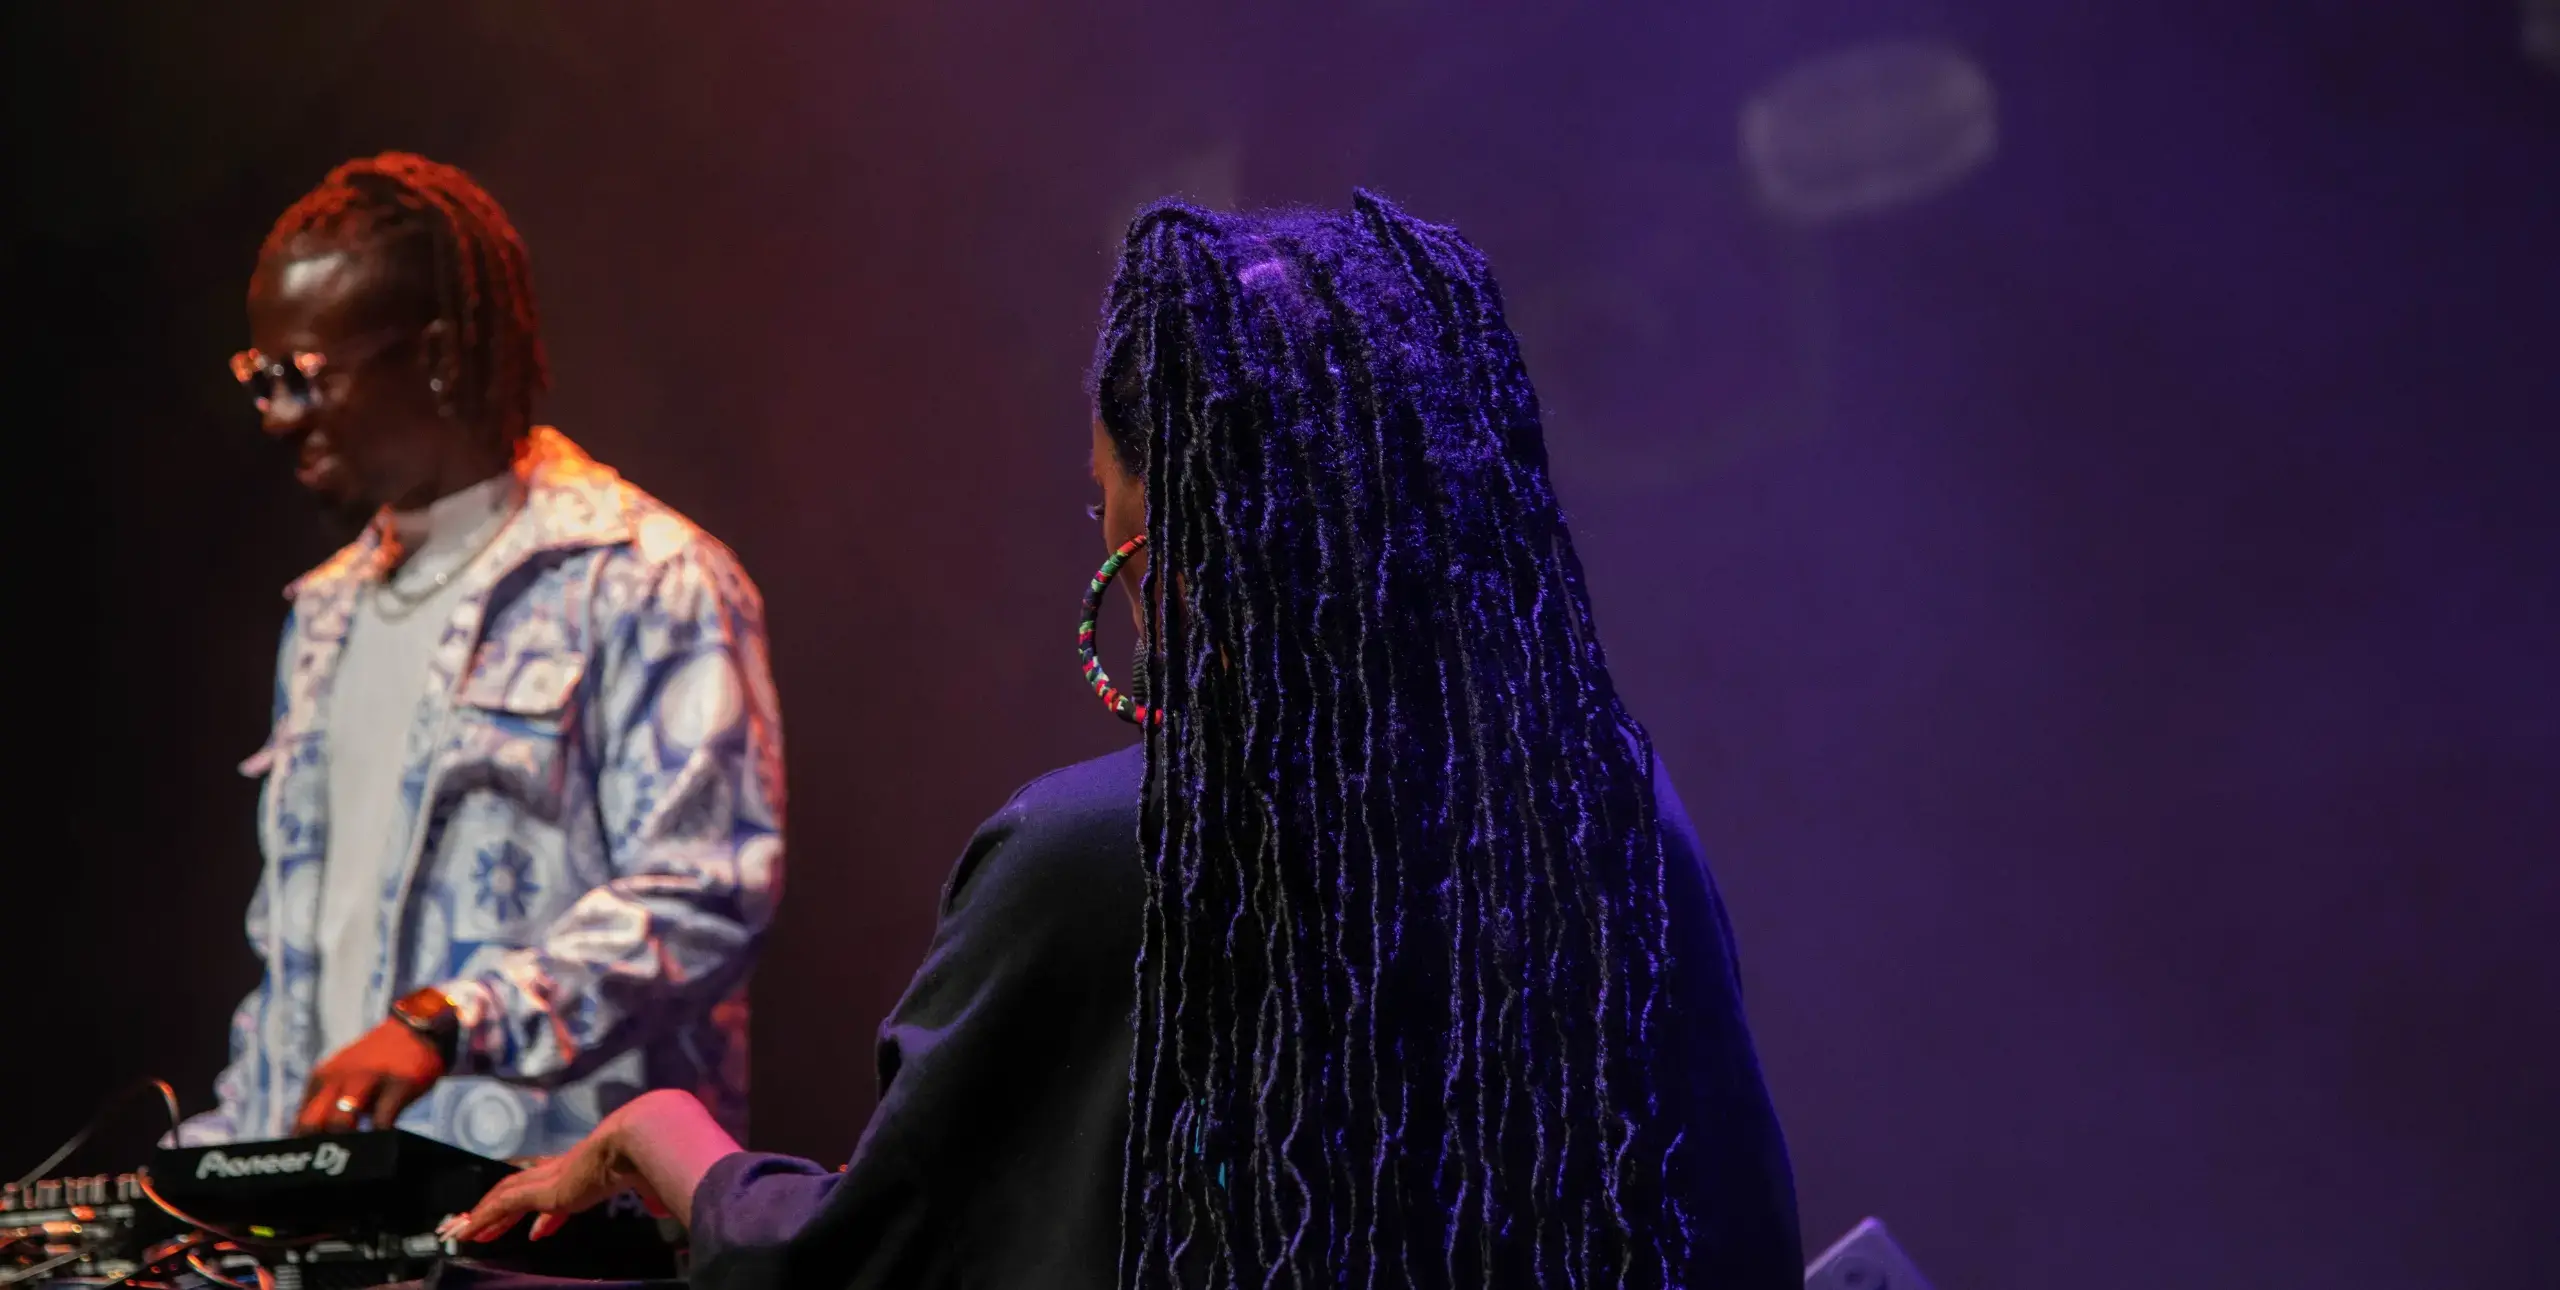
pixel 8 1197
pixel 48 1194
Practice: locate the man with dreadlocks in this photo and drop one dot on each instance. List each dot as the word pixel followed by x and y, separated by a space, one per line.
pixel 522 804
pixel 1388 958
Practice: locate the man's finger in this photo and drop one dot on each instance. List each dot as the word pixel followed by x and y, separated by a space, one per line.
pixel 337 1107
pixel 314 1117
pixel 394 1094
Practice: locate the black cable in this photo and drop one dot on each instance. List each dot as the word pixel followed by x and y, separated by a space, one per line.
pixel 33 1271
pixel 97 1121
pixel 266 1280
pixel 151 1259
pixel 190 1245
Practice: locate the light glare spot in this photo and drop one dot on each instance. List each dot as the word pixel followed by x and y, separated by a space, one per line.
pixel 1868 128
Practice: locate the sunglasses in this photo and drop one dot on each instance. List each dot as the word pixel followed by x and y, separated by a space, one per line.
pixel 296 376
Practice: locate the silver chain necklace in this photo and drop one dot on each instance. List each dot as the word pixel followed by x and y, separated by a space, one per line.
pixel 394 604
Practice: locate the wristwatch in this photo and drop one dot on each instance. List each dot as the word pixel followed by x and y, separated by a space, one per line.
pixel 427 1011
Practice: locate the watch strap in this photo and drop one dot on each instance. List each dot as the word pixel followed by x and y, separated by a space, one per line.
pixel 434 1017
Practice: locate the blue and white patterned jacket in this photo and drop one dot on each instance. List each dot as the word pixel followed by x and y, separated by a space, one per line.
pixel 593 798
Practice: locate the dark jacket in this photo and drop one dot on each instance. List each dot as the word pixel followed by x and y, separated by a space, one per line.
pixel 994 1158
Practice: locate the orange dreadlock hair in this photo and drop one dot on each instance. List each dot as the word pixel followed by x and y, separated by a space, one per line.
pixel 451 242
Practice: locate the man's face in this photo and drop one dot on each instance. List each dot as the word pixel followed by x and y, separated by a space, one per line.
pixel 371 433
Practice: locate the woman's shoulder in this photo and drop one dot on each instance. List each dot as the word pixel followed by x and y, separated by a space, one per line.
pixel 1105 784
pixel 1069 836
pixel 1672 815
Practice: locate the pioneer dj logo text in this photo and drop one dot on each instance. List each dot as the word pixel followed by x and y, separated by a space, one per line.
pixel 327 1158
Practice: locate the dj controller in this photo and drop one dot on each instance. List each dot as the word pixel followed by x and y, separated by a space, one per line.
pixel 351 1210
pixel 330 1212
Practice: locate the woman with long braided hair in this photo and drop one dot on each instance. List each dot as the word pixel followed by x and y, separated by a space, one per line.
pixel 1388 958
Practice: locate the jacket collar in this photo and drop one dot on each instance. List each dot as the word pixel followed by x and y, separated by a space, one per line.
pixel 571 501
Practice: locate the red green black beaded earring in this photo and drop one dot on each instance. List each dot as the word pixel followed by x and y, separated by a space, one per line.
pixel 1128 709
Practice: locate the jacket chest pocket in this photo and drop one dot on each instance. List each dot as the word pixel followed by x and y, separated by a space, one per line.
pixel 518 729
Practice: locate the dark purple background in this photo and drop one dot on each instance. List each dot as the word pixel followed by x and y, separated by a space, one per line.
pixel 2102 618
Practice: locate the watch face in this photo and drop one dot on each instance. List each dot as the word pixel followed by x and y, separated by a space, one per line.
pixel 434 1018
pixel 426 1007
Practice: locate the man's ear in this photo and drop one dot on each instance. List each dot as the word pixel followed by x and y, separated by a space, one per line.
pixel 441 362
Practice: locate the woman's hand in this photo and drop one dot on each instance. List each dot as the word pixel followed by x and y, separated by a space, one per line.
pixel 584 1177
pixel 658 1144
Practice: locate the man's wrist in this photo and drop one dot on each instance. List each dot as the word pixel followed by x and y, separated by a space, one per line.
pixel 431 1014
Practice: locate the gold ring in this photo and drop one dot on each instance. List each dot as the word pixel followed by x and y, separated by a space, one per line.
pixel 346 1104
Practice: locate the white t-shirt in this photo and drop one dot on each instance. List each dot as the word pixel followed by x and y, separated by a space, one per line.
pixel 373 702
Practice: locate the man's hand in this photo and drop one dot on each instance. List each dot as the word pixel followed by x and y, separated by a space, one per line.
pixel 376 1076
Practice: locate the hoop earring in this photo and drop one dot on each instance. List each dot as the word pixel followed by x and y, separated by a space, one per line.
pixel 1121 705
